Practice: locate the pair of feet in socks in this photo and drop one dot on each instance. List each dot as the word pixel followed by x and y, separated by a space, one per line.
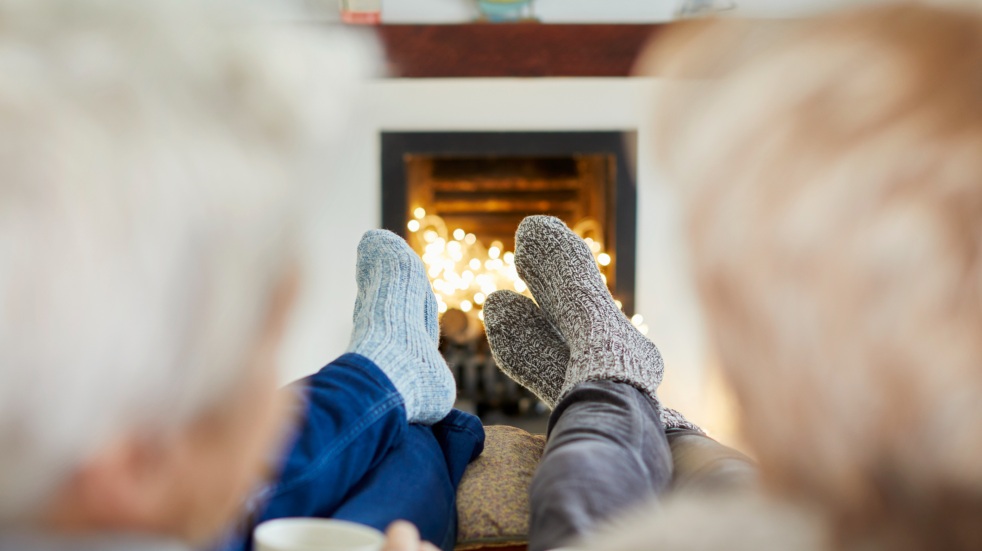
pixel 573 335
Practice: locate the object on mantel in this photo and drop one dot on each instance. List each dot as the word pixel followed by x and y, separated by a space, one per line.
pixel 505 11
pixel 703 8
pixel 361 12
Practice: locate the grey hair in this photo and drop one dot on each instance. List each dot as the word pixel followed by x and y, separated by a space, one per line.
pixel 155 159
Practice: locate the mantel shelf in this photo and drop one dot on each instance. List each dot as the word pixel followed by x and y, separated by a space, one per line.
pixel 513 49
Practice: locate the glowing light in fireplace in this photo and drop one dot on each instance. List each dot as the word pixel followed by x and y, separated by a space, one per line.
pixel 463 272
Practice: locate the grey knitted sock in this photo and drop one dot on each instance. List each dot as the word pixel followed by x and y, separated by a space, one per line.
pixel 564 279
pixel 531 351
pixel 396 326
pixel 525 345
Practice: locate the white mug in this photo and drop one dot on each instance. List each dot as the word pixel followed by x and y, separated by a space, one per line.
pixel 316 534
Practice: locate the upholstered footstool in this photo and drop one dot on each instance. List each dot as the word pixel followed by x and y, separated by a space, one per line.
pixel 493 504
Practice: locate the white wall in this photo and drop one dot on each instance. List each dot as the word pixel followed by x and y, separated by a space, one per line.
pixel 664 295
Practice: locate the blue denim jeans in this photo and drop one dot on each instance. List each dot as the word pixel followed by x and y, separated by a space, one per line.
pixel 355 457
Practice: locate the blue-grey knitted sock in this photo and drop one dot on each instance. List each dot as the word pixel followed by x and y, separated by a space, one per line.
pixel 396 325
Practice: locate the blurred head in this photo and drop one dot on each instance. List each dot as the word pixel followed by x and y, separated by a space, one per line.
pixel 154 162
pixel 831 172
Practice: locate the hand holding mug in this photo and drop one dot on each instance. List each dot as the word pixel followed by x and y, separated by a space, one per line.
pixel 403 536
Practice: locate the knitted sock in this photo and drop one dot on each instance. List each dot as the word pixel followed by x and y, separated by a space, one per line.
pixel 396 325
pixel 525 345
pixel 527 348
pixel 564 279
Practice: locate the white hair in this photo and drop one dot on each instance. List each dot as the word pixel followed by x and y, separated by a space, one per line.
pixel 830 175
pixel 154 158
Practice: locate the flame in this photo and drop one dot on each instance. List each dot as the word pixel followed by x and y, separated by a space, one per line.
pixel 463 271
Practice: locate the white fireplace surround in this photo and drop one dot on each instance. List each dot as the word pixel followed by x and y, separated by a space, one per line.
pixel 664 291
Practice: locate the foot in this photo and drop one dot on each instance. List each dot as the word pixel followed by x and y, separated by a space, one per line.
pixel 396 325
pixel 564 279
pixel 525 345
pixel 527 348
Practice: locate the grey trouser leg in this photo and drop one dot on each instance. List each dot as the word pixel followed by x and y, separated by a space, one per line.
pixel 606 452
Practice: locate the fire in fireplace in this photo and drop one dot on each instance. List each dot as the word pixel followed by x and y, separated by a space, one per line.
pixel 458 198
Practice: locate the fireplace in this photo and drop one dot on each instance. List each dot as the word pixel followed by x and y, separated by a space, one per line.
pixel 459 196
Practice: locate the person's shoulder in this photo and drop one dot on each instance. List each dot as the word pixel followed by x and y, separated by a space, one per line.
pixel 743 521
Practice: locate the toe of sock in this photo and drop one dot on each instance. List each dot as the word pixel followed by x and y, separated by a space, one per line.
pixel 525 345
pixel 549 229
pixel 532 225
pixel 381 235
pixel 376 241
pixel 504 314
pixel 500 305
pixel 547 252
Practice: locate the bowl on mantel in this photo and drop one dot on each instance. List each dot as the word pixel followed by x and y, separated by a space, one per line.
pixel 503 10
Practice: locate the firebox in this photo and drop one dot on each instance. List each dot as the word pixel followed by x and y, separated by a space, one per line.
pixel 458 198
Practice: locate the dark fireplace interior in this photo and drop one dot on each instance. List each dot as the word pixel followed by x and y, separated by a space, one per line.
pixel 459 196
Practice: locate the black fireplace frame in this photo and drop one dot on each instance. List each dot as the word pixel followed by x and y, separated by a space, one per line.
pixel 619 144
